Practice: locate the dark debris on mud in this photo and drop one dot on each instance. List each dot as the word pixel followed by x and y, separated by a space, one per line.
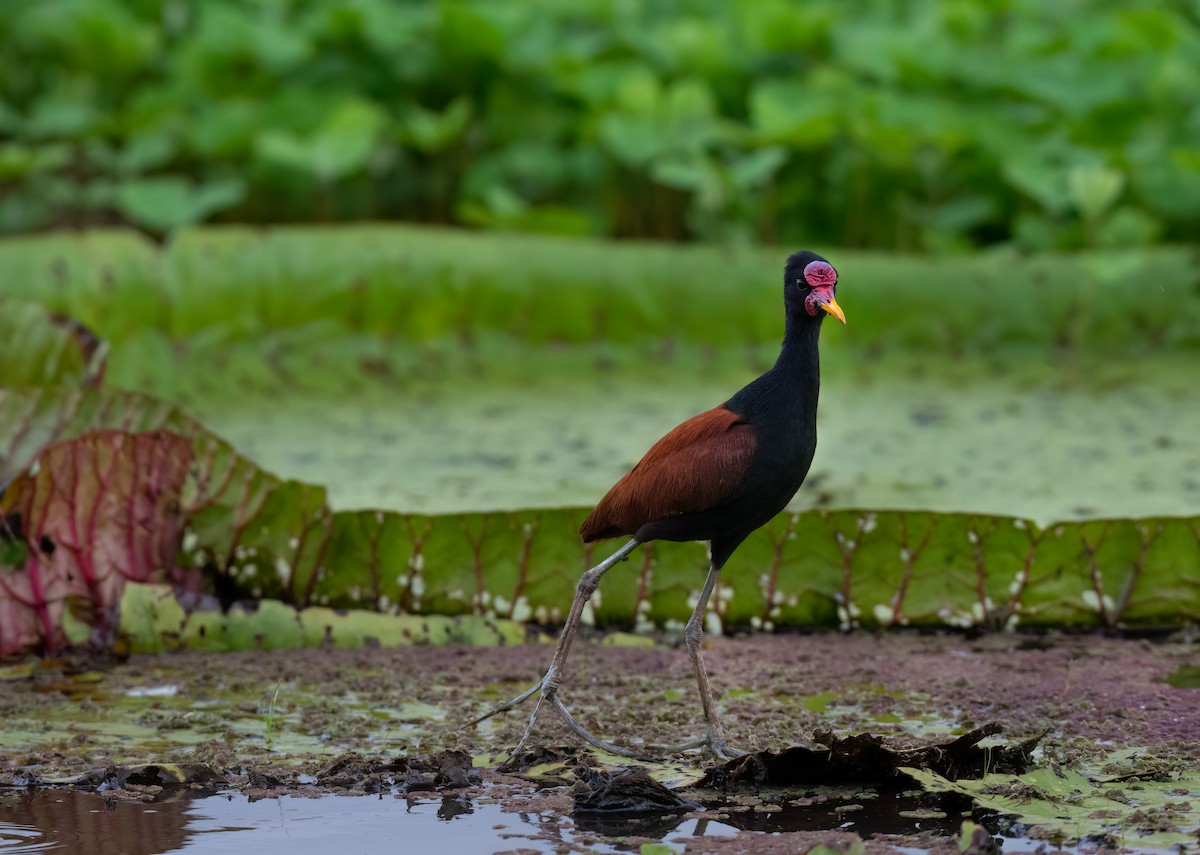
pixel 350 773
pixel 865 758
pixel 625 788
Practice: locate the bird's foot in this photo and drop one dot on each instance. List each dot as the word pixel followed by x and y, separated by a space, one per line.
pixel 547 690
pixel 713 742
pixel 723 751
pixel 585 734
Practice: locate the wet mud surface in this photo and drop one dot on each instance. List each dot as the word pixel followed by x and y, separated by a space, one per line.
pixel 388 723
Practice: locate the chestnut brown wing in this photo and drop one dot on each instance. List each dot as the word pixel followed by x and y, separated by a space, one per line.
pixel 695 467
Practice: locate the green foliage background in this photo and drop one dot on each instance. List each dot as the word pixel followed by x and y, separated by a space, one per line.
pixel 916 125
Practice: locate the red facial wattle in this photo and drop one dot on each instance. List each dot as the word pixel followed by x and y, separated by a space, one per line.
pixel 820 273
pixel 821 277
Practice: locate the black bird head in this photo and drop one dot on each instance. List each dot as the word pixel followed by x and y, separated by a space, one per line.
pixel 809 285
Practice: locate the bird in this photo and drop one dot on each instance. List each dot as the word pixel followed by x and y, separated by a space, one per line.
pixel 715 478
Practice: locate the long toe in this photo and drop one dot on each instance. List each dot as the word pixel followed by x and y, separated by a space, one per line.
pixel 723 751
pixel 590 738
pixel 710 744
pixel 506 706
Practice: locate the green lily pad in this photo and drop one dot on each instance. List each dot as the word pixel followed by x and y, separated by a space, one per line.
pixel 152 620
pixel 1161 812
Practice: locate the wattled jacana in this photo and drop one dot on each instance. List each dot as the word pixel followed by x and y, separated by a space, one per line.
pixel 717 477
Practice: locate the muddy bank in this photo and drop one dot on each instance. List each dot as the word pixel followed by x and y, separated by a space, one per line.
pixel 296 709
pixel 389 722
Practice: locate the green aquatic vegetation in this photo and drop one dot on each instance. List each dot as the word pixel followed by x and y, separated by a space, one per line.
pixel 153 620
pixel 209 288
pixel 1186 677
pixel 1158 811
pixel 272 721
pixel 287 722
pixel 888 438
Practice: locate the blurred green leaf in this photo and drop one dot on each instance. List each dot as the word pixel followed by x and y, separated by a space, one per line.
pixel 347 138
pixel 341 146
pixel 758 167
pixel 23 211
pixel 410 110
pixel 690 173
pixel 17 160
pixel 1094 189
pixel 1069 84
pixel 168 202
pixel 58 116
pixel 786 111
pixel 1041 177
pixel 230 31
pixel 1128 227
pixel 224 129
pixel 632 140
pixel 466 34
pixel 10 121
pixel 638 91
pixel 689 98
pixel 146 152
pixel 432 131
pixel 103 37
pixel 1037 232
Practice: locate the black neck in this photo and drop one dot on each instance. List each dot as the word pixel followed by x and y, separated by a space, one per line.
pixel 789 390
pixel 800 355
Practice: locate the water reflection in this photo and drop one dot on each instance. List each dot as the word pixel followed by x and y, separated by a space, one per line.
pixel 454 806
pixel 885 810
pixel 17 838
pixel 67 821
pixel 72 821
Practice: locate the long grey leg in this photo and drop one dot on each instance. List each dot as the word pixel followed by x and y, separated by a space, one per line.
pixel 694 637
pixel 548 685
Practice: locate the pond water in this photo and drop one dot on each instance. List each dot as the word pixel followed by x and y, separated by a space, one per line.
pixel 66 821
pixel 75 821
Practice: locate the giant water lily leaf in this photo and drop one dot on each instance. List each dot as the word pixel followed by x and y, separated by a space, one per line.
pixel 152 620
pixel 1024 439
pixel 42 348
pixel 421 284
pixel 31 419
pixel 98 511
pixel 113 275
pixel 551 428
